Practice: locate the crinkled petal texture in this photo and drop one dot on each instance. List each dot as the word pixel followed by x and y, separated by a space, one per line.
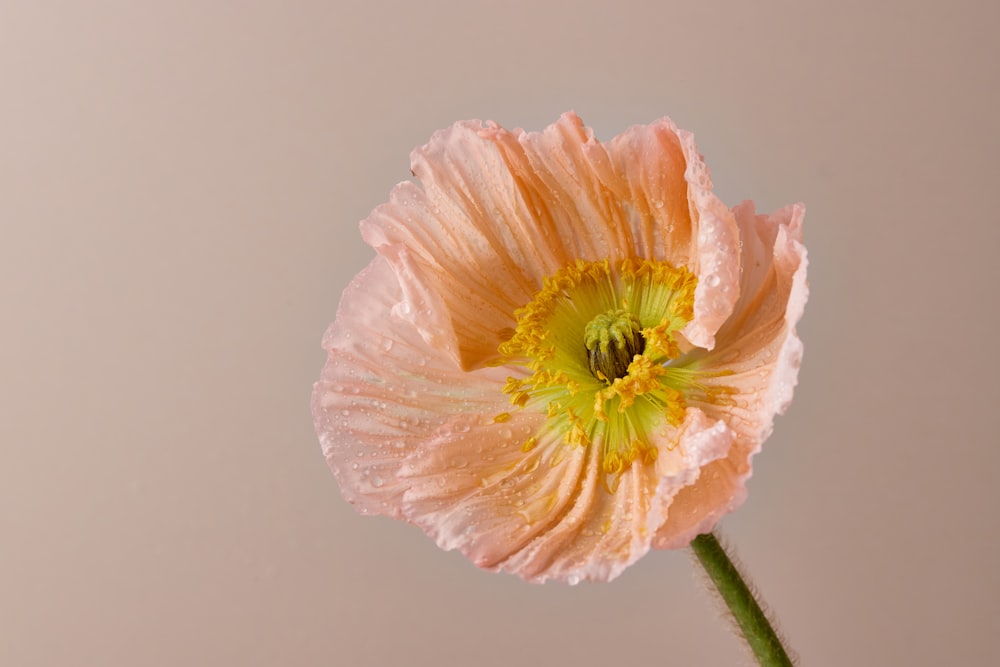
pixel 758 355
pixel 499 211
pixel 413 417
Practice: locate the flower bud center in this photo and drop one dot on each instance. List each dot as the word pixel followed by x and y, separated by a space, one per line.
pixel 613 338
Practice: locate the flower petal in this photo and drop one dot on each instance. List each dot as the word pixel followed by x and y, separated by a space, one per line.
pixel 547 514
pixel 502 210
pixel 384 391
pixel 664 194
pixel 474 241
pixel 598 533
pixel 410 436
pixel 493 508
pixel 760 353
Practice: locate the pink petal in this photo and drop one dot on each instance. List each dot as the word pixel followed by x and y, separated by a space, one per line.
pixel 759 345
pixel 664 193
pixel 410 436
pixel 502 210
pixel 545 514
pixel 475 243
pixel 598 533
pixel 384 391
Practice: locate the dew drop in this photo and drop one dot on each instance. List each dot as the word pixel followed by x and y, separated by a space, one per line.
pixel 713 280
pixel 386 344
pixel 459 462
pixel 573 579
pixel 377 481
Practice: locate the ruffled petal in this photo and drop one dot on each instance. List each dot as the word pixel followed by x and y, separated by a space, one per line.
pixel 384 391
pixel 542 514
pixel 760 353
pixel 409 435
pixel 474 239
pixel 663 192
pixel 598 533
pixel 499 211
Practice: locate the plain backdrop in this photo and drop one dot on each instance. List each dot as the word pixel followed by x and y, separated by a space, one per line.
pixel 180 187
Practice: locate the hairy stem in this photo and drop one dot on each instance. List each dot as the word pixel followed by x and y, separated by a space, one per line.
pixel 738 596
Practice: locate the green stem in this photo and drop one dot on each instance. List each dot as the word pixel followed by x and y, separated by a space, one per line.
pixel 757 630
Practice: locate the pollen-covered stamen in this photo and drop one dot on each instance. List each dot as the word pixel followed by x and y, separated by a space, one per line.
pixel 600 358
pixel 612 340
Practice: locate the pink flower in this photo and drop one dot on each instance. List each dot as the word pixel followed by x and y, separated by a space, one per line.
pixel 565 353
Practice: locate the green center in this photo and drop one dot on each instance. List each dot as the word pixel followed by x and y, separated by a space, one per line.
pixel 613 338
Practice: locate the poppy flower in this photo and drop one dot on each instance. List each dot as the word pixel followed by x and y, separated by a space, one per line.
pixel 565 352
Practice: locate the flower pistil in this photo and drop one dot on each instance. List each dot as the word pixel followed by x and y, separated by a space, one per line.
pixel 597 341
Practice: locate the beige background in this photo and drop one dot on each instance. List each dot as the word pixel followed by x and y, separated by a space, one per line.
pixel 180 187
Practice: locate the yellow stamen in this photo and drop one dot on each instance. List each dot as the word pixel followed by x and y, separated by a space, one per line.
pixel 598 345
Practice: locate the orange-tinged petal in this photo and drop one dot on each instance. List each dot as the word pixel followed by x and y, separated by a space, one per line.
pixel 409 435
pixel 499 211
pixel 599 533
pixel 384 391
pixel 759 353
pixel 665 195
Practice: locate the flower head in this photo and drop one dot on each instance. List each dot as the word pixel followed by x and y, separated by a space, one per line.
pixel 565 352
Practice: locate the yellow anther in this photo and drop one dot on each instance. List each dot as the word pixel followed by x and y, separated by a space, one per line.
pixel 597 345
